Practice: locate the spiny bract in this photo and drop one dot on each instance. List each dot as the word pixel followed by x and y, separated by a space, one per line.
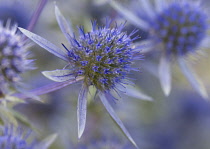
pixel 103 56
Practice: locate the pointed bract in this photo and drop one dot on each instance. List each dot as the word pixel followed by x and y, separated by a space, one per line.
pixel 59 75
pixel 148 8
pixel 159 5
pixel 192 78
pixel 46 143
pixel 129 15
pixel 45 44
pixel 165 75
pixel 115 117
pixel 133 92
pixel 63 23
pixel 82 110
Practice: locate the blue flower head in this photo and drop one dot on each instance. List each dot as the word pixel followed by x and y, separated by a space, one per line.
pixel 101 58
pixel 11 138
pixel 180 27
pixel 13 57
pixel 16 138
pixel 176 29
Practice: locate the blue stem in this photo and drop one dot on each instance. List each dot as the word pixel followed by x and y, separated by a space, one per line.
pixel 36 14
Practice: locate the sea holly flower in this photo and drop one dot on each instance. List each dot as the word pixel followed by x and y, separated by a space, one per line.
pixel 14 57
pixel 101 58
pixel 177 29
pixel 17 138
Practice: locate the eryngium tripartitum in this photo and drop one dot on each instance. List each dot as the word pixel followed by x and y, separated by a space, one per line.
pixel 13 57
pixel 103 56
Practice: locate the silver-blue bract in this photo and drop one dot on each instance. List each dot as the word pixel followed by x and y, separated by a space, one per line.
pixel 13 57
pixel 101 58
pixel 177 28
pixel 17 138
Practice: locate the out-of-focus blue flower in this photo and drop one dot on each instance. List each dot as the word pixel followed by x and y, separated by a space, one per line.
pixel 17 11
pixel 17 138
pixel 185 124
pixel 13 57
pixel 177 28
pixel 101 58
pixel 14 138
pixel 111 143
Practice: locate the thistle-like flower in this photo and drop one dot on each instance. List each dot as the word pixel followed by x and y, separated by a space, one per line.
pixel 17 138
pixel 101 58
pixel 177 29
pixel 13 57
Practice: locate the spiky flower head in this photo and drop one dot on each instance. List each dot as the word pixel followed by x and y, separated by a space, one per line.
pixel 103 56
pixel 13 56
pixel 12 137
pixel 180 28
pixel 176 29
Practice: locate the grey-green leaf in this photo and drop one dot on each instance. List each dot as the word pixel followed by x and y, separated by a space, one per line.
pixel 7 116
pixel 59 75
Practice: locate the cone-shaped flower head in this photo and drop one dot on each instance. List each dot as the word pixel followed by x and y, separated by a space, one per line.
pixel 176 29
pixel 180 28
pixel 101 58
pixel 17 138
pixel 13 56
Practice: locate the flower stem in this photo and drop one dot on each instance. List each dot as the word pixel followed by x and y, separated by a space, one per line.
pixel 36 14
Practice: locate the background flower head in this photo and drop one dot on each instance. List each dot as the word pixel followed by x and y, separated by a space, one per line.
pixel 13 56
pixel 176 29
pixel 17 138
pixel 14 138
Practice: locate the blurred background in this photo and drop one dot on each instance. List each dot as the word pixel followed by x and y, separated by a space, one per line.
pixel 181 120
